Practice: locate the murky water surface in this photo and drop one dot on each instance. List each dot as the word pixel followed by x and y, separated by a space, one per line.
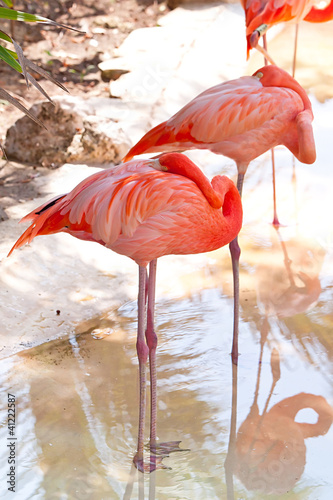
pixel 77 397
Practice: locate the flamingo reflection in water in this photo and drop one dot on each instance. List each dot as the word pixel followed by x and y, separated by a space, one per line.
pixel 268 451
pixel 270 448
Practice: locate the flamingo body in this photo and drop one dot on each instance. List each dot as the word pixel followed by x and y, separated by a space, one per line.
pixel 267 13
pixel 138 210
pixel 241 119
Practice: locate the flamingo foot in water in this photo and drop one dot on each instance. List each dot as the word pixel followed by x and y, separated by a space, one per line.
pixel 276 223
pixel 157 453
pixel 155 463
pixel 164 449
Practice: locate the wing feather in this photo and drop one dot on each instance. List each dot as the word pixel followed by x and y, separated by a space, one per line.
pixel 113 205
pixel 233 110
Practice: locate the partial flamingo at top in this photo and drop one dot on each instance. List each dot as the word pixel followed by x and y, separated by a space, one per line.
pixel 260 15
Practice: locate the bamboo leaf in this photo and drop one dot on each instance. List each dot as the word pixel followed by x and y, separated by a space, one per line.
pixel 12 53
pixel 18 105
pixel 9 3
pixel 39 87
pixel 7 57
pixel 16 15
pixel 22 60
pixel 31 65
pixel 4 36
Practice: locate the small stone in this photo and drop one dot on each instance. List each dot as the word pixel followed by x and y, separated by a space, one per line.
pixel 112 69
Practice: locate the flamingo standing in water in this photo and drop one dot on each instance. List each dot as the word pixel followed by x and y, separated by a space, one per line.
pixel 241 119
pixel 260 15
pixel 145 209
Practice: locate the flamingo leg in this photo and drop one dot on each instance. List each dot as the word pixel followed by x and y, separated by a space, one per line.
pixel 295 50
pixel 151 339
pixel 276 222
pixel 264 52
pixel 142 351
pixel 235 252
pixel 230 461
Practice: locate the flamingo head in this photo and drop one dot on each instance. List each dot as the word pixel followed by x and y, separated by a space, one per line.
pixel 253 37
pixel 273 76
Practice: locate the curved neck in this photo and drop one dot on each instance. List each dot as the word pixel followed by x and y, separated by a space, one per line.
pixel 272 76
pixel 289 407
pixel 177 163
pixel 293 85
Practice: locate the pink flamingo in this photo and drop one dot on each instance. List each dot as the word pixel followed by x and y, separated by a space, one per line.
pixel 241 119
pixel 145 209
pixel 262 14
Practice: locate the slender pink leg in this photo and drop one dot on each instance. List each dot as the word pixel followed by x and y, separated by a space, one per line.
pixel 276 222
pixel 142 351
pixel 230 462
pixel 264 41
pixel 235 254
pixel 295 50
pixel 151 339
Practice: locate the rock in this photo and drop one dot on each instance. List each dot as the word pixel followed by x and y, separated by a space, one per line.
pixel 172 4
pixel 186 53
pixel 112 69
pixel 75 132
pixel 27 142
pixel 102 141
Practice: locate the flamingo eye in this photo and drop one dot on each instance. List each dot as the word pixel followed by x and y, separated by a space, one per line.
pixel 259 75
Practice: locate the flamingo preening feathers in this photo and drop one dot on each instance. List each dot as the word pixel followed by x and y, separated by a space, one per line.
pixel 240 119
pixel 145 209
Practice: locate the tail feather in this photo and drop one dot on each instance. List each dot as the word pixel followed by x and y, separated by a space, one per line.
pixel 26 237
pixel 37 211
pixel 42 222
pixel 149 143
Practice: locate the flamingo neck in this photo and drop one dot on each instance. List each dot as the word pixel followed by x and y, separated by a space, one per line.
pixel 272 76
pixel 177 163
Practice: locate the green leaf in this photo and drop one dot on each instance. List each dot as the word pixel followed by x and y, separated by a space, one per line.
pixel 4 36
pixel 16 15
pixel 12 53
pixel 9 3
pixel 6 56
